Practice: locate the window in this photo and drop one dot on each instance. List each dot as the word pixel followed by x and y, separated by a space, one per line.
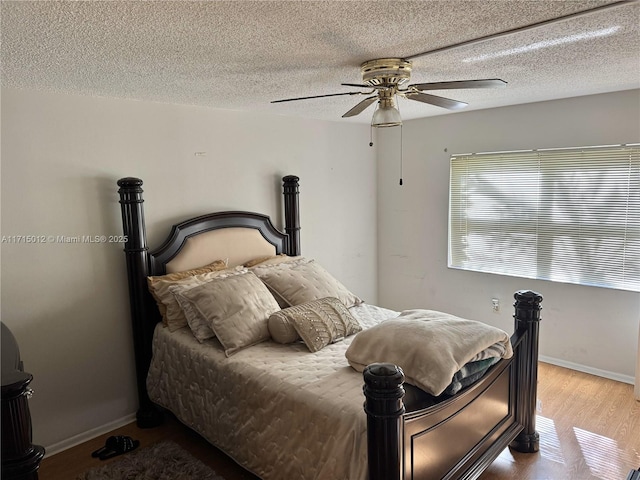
pixel 566 215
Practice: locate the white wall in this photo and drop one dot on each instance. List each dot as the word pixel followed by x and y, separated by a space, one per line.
pixel 591 327
pixel 61 157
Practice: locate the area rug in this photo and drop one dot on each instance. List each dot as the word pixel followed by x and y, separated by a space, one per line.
pixel 160 461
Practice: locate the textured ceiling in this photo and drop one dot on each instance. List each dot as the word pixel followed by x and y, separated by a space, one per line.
pixel 242 54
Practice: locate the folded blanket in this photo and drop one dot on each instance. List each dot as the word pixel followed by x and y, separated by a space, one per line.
pixel 429 346
pixel 469 374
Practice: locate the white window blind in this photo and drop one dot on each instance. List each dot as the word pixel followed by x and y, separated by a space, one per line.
pixel 565 215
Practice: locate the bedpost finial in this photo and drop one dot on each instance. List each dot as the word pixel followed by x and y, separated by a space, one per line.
pixel 528 297
pixel 130 190
pixel 383 390
pixel 291 179
pixel 383 376
pixel 527 306
pixel 129 182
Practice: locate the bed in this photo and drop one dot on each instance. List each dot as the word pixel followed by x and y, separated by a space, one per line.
pixel 253 400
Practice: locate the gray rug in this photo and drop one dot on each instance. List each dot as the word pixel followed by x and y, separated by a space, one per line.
pixel 160 461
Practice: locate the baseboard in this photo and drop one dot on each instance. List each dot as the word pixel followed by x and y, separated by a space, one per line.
pixel 88 435
pixel 593 371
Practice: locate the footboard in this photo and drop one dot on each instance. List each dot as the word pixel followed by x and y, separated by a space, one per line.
pixel 460 437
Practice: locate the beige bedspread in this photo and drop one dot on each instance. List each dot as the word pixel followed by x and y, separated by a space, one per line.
pixel 284 387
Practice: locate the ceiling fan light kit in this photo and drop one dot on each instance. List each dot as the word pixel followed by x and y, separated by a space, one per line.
pixel 386 117
pixel 387 114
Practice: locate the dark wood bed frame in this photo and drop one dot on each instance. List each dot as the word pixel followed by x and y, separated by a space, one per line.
pixel 457 438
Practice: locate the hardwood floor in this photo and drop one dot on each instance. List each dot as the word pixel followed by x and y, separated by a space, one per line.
pixel 67 465
pixel 589 429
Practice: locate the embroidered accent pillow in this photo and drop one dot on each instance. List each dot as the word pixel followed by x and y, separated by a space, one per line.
pixel 319 323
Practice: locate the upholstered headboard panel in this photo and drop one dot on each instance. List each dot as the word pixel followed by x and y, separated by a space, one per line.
pixel 235 245
pixel 233 236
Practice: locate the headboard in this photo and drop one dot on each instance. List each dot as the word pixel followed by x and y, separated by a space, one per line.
pixel 236 236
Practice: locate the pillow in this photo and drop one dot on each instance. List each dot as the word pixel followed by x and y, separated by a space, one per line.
pixel 270 260
pixel 236 307
pixel 198 324
pixel 159 288
pixel 275 260
pixel 174 317
pixel 318 323
pixel 281 328
pixel 303 281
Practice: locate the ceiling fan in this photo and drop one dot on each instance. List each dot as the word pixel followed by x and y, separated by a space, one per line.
pixel 385 78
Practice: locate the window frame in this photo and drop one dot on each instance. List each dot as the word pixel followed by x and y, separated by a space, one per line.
pixel 534 207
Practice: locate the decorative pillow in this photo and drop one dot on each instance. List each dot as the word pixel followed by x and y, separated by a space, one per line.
pixel 303 281
pixel 263 262
pixel 281 328
pixel 159 288
pixel 198 324
pixel 318 323
pixel 237 308
pixel 174 317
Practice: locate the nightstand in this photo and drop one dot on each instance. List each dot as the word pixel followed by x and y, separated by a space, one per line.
pixel 20 459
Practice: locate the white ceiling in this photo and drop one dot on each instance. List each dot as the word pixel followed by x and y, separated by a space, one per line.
pixel 243 54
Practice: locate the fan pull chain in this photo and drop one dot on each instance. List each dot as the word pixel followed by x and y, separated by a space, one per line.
pixel 401 154
pixel 371 135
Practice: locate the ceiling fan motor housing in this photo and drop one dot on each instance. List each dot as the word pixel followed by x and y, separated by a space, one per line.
pixel 386 71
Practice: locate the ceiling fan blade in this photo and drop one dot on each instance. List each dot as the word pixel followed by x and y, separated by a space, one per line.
pixel 484 83
pixel 435 100
pixel 360 85
pixel 360 106
pixel 314 96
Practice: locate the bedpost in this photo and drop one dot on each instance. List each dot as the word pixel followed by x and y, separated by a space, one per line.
pixel 527 320
pixel 136 250
pixel 291 213
pixel 383 393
